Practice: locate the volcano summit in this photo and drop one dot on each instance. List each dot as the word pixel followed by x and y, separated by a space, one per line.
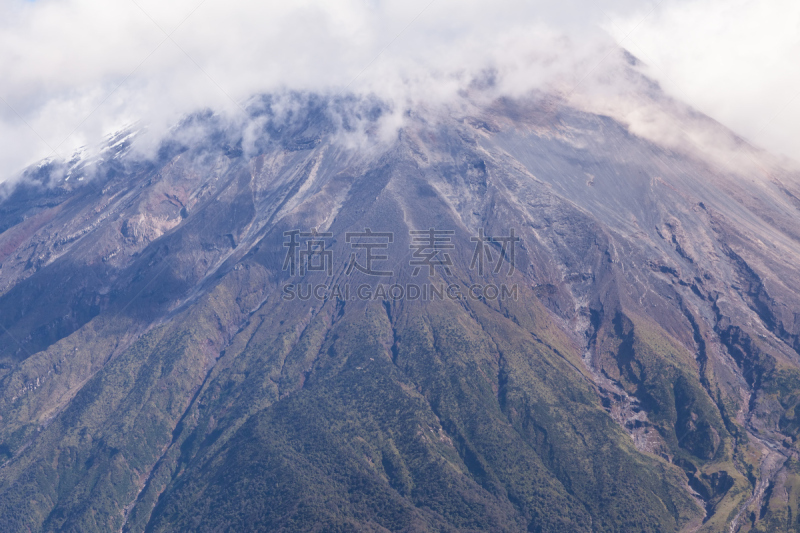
pixel 518 315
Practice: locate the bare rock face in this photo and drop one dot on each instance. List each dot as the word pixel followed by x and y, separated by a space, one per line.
pixel 520 317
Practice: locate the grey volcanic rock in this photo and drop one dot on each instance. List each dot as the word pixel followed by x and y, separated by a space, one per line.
pixel 161 369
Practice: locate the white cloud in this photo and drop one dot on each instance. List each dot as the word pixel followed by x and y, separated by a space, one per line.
pixel 736 60
pixel 75 70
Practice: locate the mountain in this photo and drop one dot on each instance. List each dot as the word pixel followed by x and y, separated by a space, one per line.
pixel 512 315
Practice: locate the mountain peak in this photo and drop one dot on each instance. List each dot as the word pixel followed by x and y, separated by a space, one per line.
pixel 514 315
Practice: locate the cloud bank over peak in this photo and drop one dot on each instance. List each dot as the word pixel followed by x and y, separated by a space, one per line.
pixel 734 60
pixel 75 71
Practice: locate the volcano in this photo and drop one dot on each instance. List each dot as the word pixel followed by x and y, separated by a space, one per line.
pixel 518 315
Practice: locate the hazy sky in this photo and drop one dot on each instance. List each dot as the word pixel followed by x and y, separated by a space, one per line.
pixel 72 71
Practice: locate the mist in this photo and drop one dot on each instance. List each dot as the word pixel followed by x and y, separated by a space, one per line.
pixel 74 71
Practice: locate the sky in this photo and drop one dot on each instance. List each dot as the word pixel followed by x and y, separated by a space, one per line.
pixel 74 71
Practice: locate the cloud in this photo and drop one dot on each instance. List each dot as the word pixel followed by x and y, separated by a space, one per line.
pixel 76 70
pixel 735 60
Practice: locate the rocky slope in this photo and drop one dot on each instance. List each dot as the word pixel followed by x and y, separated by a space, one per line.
pixel 163 366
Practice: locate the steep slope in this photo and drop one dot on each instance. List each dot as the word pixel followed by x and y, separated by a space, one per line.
pixel 166 367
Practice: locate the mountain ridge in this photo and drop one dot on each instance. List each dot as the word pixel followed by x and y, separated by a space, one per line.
pixel 644 377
